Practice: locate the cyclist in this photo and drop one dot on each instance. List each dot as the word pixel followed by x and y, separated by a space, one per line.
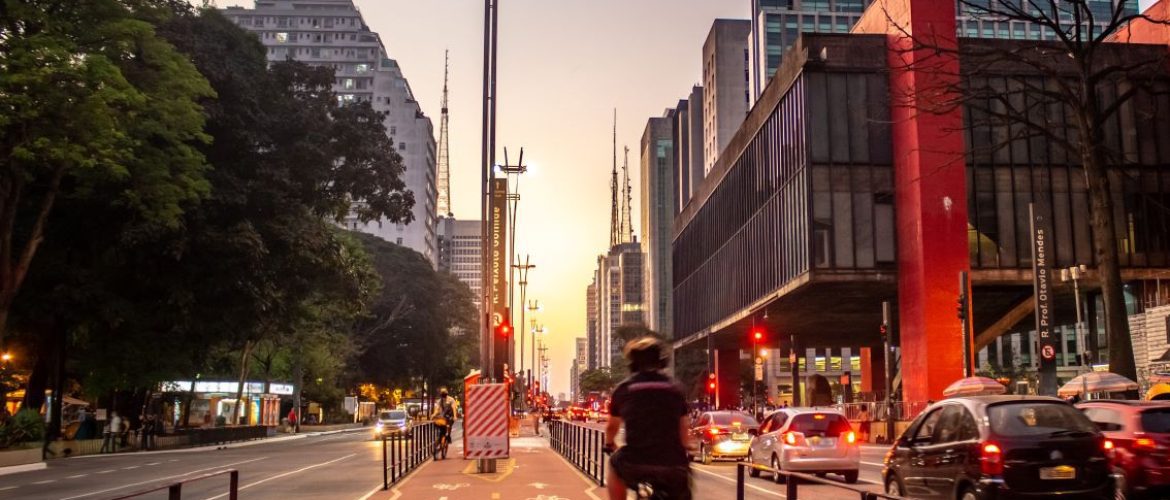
pixel 654 411
pixel 444 416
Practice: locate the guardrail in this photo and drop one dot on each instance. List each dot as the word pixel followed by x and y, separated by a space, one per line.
pixel 175 489
pixel 581 446
pixel 405 451
pixel 792 482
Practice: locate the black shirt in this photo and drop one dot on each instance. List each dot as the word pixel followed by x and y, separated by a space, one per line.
pixel 651 404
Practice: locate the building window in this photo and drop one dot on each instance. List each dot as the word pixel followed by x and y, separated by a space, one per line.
pixel 399 241
pixel 282 37
pixel 402 146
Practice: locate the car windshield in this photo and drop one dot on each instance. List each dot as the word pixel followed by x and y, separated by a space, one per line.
pixel 820 424
pixel 743 419
pixel 1156 421
pixel 1035 418
pixel 393 415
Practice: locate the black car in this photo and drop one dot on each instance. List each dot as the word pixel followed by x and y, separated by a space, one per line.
pixel 996 447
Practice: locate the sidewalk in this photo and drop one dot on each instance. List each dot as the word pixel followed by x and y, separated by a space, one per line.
pixel 534 472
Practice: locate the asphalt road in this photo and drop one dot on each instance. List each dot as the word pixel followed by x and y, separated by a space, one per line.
pixel 344 465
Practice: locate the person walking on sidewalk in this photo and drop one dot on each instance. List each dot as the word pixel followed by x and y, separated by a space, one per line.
pixel 112 433
pixel 866 422
pixel 654 411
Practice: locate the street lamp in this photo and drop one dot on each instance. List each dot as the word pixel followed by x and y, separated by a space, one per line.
pixel 1074 274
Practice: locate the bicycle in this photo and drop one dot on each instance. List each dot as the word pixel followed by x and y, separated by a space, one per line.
pixel 444 440
pixel 646 488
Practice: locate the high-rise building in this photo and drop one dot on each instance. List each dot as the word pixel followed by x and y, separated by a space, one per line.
pixel 658 210
pixel 776 24
pixel 592 327
pixel 725 85
pixel 459 252
pixel 619 298
pixel 578 366
pixel 688 147
pixel 332 33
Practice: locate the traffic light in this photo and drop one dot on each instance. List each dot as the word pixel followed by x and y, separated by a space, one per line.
pixel 758 335
pixel 962 309
pixel 884 330
pixel 504 330
pixel 711 382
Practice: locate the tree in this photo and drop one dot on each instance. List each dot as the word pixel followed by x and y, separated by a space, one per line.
pixel 600 379
pixel 91 99
pixel 1064 92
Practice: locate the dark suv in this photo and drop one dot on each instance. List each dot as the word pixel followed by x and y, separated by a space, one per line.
pixel 995 447
pixel 1140 433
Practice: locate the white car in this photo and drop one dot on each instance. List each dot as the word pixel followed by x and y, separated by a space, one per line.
pixel 809 440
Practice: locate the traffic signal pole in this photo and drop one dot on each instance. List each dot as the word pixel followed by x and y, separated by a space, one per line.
pixel 885 331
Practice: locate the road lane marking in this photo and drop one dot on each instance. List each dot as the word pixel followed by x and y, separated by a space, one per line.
pixel 732 481
pixel 106 471
pixel 154 463
pixel 47 481
pixel 130 467
pixel 107 490
pixel 77 476
pixel 278 476
pixel 6 488
pixel 873 464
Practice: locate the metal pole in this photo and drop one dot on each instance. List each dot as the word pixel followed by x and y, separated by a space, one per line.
pixel 485 344
pixel 794 360
pixel 886 317
pixel 385 465
pixel 739 480
pixel 965 300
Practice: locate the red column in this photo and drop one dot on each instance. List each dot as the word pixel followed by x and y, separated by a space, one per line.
pixel 873 370
pixel 930 188
pixel 726 378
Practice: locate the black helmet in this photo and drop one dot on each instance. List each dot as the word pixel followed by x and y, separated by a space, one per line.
pixel 644 354
pixel 443 392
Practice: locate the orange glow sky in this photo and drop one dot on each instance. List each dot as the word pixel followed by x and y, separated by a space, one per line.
pixel 564 66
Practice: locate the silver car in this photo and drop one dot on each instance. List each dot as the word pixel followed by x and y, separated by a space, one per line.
pixel 392 423
pixel 811 440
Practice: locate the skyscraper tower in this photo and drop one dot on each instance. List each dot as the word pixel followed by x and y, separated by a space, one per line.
pixel 444 204
pixel 615 223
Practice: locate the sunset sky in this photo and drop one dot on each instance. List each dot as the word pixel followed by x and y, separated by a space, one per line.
pixel 564 67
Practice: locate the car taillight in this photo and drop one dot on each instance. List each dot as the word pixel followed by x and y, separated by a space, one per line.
pixel 715 431
pixel 790 438
pixel 850 437
pixel 1143 443
pixel 991 459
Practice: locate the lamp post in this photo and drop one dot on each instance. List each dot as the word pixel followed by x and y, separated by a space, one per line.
pixel 523 268
pixel 757 367
pixel 1075 274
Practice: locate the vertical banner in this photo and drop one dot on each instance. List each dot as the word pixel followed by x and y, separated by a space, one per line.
pixel 1046 340
pixel 498 270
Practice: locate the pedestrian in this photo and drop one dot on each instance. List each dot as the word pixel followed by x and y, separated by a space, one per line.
pixel 292 419
pixel 536 422
pixel 110 433
pixel 784 404
pixel 866 422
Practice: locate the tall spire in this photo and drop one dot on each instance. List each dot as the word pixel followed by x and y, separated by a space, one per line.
pixel 627 216
pixel 444 187
pixel 615 229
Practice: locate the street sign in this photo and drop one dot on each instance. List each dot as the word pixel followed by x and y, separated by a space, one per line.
pixel 485 425
pixel 759 372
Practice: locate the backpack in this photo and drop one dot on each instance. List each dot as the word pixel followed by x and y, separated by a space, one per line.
pixel 447 409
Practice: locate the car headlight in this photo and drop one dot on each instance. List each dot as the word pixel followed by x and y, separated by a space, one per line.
pixel 378 426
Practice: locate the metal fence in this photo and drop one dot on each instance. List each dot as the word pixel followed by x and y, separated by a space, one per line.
pixel 900 410
pixel 133 441
pixel 175 489
pixel 792 482
pixel 405 451
pixel 581 446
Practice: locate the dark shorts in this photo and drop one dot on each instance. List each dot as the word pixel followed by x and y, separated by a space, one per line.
pixel 672 480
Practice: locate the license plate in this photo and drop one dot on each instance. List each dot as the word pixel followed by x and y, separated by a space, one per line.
pixel 1058 472
pixel 740 437
pixel 822 442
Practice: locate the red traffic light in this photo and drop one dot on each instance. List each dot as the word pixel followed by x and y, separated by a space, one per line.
pixel 759 335
pixel 711 386
pixel 504 329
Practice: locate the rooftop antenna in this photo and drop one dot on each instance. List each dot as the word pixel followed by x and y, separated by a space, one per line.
pixel 627 216
pixel 615 230
pixel 444 188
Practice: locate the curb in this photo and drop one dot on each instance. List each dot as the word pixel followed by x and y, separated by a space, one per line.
pixel 14 469
pixel 238 444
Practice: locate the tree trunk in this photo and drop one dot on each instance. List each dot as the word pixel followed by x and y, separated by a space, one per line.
pixel 54 429
pixel 298 382
pixel 240 389
pixel 38 381
pixel 1121 359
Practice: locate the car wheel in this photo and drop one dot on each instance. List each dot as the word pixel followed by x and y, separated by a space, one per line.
pixel 706 457
pixel 753 471
pixel 968 494
pixel 822 475
pixel 851 476
pixel 894 487
pixel 776 476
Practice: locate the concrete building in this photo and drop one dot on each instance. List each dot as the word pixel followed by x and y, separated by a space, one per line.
pixel 688 146
pixel 620 300
pixel 459 252
pixel 657 211
pixel 592 325
pixel 794 231
pixel 725 85
pixel 578 366
pixel 332 33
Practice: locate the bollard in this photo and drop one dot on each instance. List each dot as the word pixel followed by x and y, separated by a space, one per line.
pixel 234 485
pixel 175 492
pixel 385 479
pixel 790 487
pixel 739 481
